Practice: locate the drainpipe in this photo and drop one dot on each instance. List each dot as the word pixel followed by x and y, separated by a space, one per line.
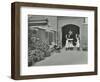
pixel 57 30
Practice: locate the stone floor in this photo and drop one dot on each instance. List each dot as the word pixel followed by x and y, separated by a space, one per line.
pixel 69 57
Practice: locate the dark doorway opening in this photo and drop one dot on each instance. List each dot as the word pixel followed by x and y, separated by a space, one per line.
pixel 65 31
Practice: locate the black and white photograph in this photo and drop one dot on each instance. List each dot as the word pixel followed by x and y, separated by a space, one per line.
pixel 57 40
pixel 50 40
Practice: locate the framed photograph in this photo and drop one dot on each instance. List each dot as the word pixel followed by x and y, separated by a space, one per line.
pixel 51 40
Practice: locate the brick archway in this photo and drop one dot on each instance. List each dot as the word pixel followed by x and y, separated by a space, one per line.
pixel 65 30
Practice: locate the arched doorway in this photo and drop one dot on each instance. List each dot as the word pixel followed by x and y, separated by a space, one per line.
pixel 70 29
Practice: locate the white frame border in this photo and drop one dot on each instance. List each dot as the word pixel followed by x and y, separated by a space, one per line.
pixel 25 70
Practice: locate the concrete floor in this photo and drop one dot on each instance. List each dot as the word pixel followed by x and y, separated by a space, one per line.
pixel 65 58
